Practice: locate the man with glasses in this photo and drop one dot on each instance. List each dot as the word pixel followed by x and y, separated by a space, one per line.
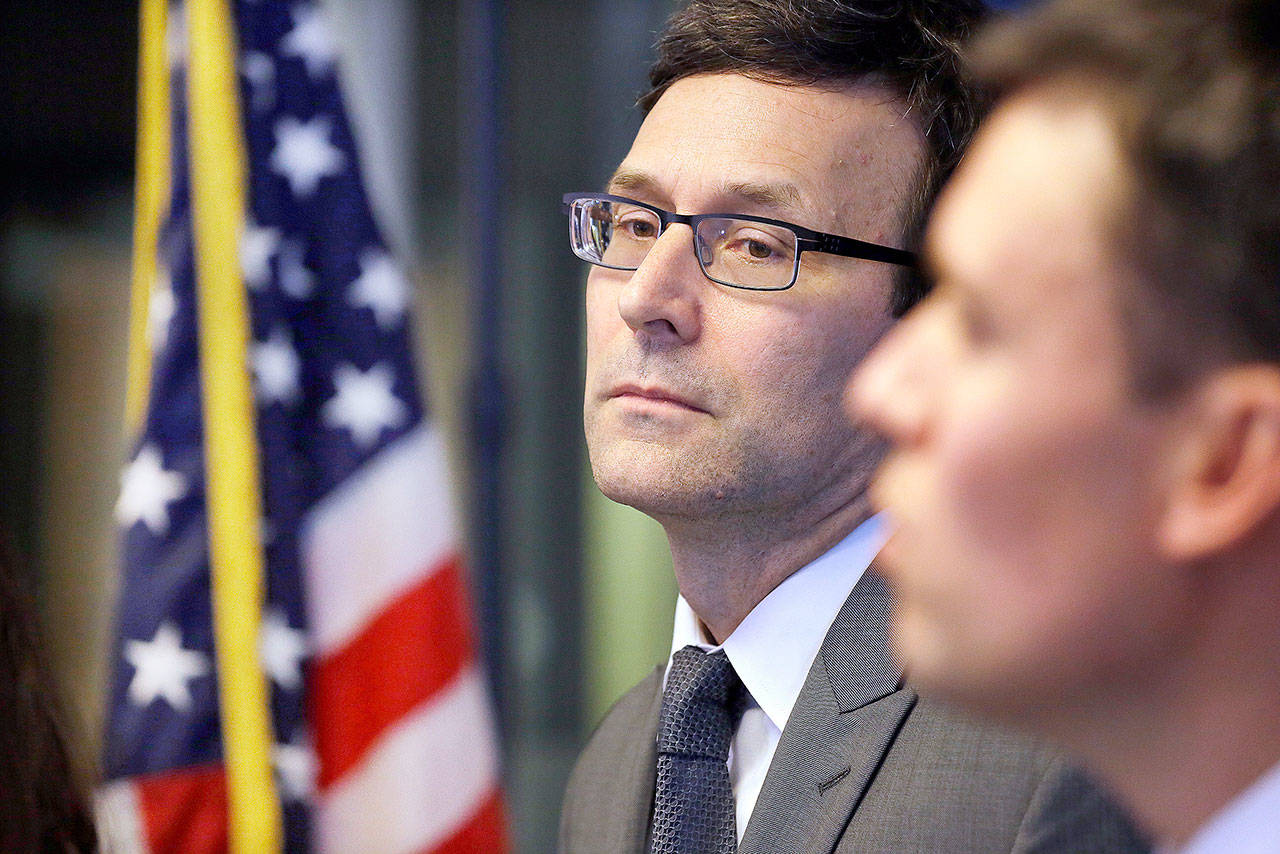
pixel 746 254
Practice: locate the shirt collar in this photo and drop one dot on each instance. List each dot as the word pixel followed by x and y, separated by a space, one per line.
pixel 773 648
pixel 1246 824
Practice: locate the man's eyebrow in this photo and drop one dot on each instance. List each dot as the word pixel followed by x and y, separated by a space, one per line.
pixel 628 179
pixel 781 195
pixel 768 195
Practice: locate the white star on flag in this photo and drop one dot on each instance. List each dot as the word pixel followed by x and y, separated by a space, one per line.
pixel 381 288
pixel 276 368
pixel 162 668
pixel 260 70
pixel 295 769
pixel 310 40
pixel 296 280
pixel 364 403
pixel 160 311
pixel 146 491
pixel 257 245
pixel 281 649
pixel 303 153
pixel 266 531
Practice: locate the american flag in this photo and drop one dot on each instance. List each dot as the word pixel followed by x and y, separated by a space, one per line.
pixel 359 720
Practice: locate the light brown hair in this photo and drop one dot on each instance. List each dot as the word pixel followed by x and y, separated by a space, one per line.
pixel 1193 89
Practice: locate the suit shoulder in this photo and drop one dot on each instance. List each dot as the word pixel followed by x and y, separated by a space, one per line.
pixel 625 721
pixel 612 781
pixel 1069 812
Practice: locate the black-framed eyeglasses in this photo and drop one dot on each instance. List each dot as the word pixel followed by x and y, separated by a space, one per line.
pixel 737 250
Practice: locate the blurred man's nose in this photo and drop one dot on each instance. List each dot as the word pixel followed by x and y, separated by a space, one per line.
pixel 888 391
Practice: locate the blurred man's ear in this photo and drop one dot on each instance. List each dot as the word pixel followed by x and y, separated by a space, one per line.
pixel 1226 472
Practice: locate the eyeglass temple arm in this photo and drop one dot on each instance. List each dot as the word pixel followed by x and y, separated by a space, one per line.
pixel 850 247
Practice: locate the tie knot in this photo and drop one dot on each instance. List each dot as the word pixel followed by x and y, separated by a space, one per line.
pixel 700 705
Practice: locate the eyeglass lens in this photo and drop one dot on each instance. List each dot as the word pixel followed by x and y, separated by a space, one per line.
pixel 730 251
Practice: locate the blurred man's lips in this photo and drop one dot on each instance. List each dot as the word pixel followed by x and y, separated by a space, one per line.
pixel 652 396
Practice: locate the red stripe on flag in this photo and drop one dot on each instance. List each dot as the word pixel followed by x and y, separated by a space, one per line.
pixel 407 653
pixel 184 812
pixel 484 833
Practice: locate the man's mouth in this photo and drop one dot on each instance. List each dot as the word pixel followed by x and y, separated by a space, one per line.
pixel 651 395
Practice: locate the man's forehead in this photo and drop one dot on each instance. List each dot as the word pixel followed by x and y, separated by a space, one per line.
pixel 1037 193
pixel 724 138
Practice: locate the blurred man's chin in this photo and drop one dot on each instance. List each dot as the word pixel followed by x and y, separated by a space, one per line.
pixel 934 662
pixel 943 669
pixel 917 648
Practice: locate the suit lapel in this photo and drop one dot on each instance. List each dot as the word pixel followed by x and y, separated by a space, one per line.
pixel 843 722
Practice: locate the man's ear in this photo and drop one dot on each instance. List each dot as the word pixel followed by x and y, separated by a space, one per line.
pixel 1226 477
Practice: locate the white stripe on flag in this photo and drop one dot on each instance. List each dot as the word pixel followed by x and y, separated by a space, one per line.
pixel 118 819
pixel 376 535
pixel 421 782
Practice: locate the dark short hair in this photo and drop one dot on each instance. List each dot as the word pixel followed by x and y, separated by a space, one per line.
pixel 911 47
pixel 1193 92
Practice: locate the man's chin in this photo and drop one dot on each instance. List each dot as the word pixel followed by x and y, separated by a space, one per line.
pixel 656 480
pixel 630 475
pixel 650 495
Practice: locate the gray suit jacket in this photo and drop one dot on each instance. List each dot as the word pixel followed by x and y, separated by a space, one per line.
pixel 863 766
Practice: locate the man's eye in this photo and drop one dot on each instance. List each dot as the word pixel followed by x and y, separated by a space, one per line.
pixel 754 248
pixel 640 228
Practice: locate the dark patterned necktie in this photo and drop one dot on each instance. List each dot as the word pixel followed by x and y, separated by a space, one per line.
pixel 693 804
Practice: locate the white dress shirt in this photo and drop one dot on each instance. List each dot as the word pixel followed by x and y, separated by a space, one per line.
pixel 1248 824
pixel 773 648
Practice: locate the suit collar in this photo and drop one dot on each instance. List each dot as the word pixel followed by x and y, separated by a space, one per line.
pixel 855 656
pixel 847 716
pixel 776 644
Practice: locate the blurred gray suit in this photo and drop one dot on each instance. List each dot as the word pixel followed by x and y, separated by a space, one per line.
pixel 863 765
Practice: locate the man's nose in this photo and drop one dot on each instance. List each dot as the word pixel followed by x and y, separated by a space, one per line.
pixel 663 298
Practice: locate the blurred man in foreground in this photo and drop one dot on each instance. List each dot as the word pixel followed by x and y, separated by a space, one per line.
pixel 748 251
pixel 1085 415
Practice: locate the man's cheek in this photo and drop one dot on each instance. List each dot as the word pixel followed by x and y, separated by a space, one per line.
pixel 997 488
